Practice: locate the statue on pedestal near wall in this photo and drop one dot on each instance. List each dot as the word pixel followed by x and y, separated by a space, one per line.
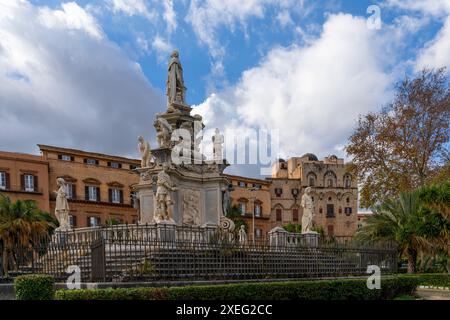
pixel 308 211
pixel 62 206
pixel 218 141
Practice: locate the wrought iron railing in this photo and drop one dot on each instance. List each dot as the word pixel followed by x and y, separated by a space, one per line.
pixel 170 252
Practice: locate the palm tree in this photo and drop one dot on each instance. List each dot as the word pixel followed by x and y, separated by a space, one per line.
pixel 407 222
pixel 21 224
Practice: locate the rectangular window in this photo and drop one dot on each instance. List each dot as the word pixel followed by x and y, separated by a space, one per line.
pixel 330 210
pixel 257 186
pixel 91 162
pixel 278 192
pixel 242 184
pixel 115 165
pixel 278 215
pixel 65 157
pixel 72 221
pixel 71 191
pixel 94 221
pixel 29 182
pixel 258 210
pixel 294 214
pixel 258 233
pixel 92 193
pixel 242 207
pixel 2 180
pixel 115 195
pixel 132 167
pixel 311 182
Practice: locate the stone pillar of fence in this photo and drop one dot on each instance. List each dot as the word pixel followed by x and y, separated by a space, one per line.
pixel 310 239
pixel 278 237
pixel 166 233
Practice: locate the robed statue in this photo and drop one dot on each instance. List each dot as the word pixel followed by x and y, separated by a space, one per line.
pixel 308 211
pixel 62 206
pixel 175 83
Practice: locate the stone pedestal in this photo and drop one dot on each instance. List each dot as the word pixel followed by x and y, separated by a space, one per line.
pixel 165 231
pixel 310 239
pixel 278 237
pixel 60 238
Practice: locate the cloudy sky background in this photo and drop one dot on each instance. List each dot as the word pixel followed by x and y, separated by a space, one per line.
pixel 91 74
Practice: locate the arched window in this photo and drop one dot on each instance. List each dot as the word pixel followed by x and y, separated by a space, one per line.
pixel 330 179
pixel 311 178
pixel 347 181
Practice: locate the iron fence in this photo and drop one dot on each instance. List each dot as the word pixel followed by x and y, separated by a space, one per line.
pixel 169 252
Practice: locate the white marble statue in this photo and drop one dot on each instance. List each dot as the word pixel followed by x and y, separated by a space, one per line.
pixel 163 132
pixel 62 206
pixel 175 83
pixel 146 154
pixel 218 141
pixel 308 211
pixel 242 235
pixel 163 198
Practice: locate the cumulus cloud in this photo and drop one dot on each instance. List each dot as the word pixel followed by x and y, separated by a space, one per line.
pixel 312 94
pixel 62 82
pixel 436 53
pixel 132 8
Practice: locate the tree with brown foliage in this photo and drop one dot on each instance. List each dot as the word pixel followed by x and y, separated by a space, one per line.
pixel 405 145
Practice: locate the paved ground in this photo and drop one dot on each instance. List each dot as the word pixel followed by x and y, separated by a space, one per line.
pixel 433 294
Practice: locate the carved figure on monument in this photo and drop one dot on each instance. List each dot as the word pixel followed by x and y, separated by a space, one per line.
pixel 163 199
pixel 146 154
pixel 226 199
pixel 163 132
pixel 218 141
pixel 242 235
pixel 308 211
pixel 175 83
pixel 62 206
pixel 191 213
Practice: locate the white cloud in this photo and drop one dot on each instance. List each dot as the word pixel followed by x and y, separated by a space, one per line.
pixel 312 94
pixel 132 8
pixel 170 16
pixel 161 46
pixel 72 16
pixel 65 86
pixel 435 53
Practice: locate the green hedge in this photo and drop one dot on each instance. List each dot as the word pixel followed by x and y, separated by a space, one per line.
pixel 432 279
pixel 353 289
pixel 34 287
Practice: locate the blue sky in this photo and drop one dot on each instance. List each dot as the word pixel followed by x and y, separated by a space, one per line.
pixel 91 74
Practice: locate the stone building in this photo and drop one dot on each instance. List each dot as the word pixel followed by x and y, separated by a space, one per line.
pixel 24 177
pixel 99 185
pixel 252 197
pixel 334 192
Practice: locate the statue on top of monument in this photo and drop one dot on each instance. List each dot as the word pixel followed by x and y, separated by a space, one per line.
pixel 175 83
pixel 218 141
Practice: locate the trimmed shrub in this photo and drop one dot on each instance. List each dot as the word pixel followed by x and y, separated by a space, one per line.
pixel 340 289
pixel 34 287
pixel 432 279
